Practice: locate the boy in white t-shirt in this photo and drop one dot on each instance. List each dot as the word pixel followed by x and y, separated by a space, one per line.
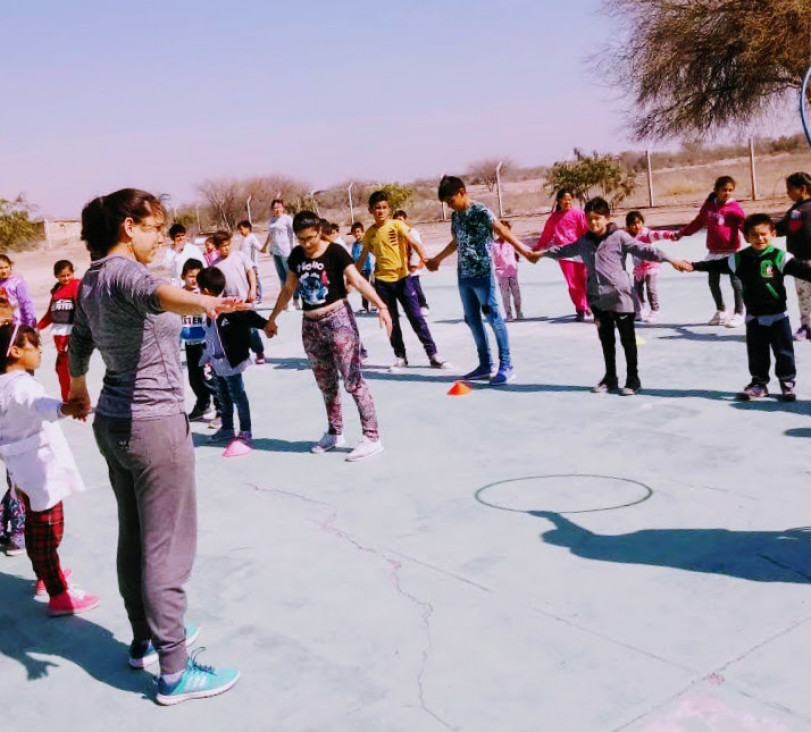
pixel 251 247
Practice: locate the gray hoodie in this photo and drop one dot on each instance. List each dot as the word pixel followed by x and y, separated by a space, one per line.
pixel 609 284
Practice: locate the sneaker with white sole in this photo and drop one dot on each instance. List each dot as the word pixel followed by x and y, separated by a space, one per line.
pixel 365 449
pixel 143 653
pixel 652 317
pixel 71 602
pixel 328 442
pixel 399 363
pixel 720 318
pixel 196 682
pixel 734 321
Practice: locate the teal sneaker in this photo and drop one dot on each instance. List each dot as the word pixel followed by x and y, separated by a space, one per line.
pixel 143 653
pixel 197 682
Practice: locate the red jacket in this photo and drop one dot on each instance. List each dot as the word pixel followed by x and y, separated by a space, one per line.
pixel 723 222
pixel 62 309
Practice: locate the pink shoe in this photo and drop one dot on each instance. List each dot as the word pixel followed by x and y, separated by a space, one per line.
pixel 39 585
pixel 72 601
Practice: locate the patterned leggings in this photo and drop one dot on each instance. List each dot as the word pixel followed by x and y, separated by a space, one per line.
pixel 12 515
pixel 804 300
pixel 43 535
pixel 509 286
pixel 332 344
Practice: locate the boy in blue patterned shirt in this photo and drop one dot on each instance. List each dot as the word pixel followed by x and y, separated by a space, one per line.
pixel 473 226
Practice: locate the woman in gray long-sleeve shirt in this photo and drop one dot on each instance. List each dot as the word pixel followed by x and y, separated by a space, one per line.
pixel 604 250
pixel 142 430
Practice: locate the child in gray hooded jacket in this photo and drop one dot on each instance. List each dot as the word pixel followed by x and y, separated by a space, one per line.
pixel 604 250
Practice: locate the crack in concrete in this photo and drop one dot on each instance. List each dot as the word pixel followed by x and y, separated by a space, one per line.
pixel 287 494
pixel 426 608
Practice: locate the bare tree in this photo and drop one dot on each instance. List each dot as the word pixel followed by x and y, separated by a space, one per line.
pixel 223 199
pixel 699 65
pixel 483 172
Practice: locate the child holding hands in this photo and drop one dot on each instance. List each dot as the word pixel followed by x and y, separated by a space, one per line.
pixel 319 269
pixel 39 463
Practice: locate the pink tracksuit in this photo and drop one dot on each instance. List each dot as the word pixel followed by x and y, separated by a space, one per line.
pixel 565 227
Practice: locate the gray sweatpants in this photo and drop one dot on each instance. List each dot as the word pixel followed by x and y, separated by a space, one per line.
pixel 151 466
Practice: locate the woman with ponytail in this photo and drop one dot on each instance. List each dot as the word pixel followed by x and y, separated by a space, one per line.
pixel 142 430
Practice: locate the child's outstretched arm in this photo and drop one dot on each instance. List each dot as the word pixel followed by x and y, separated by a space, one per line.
pixel 416 244
pixel 559 252
pixel 636 248
pixel 290 284
pixel 432 265
pixel 798 268
pixel 698 223
pixel 506 235
pixel 712 265
pixel 366 290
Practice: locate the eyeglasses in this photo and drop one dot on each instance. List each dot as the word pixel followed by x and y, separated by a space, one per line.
pixel 13 338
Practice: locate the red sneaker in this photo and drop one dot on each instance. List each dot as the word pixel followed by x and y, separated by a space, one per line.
pixel 39 585
pixel 71 602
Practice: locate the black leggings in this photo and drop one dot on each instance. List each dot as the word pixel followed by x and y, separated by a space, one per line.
pixel 606 320
pixel 717 295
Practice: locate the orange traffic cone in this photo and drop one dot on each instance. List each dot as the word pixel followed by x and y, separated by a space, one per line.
pixel 460 388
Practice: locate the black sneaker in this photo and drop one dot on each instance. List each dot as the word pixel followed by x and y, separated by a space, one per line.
pixel 580 316
pixel 604 386
pixel 198 414
pixel 788 394
pixel 632 386
pixel 753 391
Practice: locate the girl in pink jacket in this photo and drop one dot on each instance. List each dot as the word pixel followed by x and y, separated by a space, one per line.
pixel 505 262
pixel 14 288
pixel 646 272
pixel 722 217
pixel 565 225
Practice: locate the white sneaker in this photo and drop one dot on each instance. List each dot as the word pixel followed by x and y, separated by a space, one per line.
pixel 735 321
pixel 652 317
pixel 328 442
pixel 425 312
pixel 720 318
pixel 399 363
pixel 365 449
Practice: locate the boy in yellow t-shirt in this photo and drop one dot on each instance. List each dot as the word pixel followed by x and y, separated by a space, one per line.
pixel 389 239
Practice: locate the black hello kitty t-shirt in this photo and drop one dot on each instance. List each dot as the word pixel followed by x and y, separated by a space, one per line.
pixel 321 279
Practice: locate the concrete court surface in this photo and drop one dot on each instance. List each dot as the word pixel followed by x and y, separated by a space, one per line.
pixel 383 596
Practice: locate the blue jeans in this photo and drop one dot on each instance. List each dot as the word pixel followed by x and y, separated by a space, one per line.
pixel 231 393
pixel 281 270
pixel 479 298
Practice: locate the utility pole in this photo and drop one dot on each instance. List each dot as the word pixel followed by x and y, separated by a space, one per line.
pixel 752 167
pixel 650 178
pixel 248 206
pixel 498 189
pixel 351 210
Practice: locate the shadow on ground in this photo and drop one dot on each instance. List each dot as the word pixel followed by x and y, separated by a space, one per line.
pixel 759 556
pixel 27 630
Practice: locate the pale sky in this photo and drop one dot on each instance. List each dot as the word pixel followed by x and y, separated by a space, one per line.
pixel 99 95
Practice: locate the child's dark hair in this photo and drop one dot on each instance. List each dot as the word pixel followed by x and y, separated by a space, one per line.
pixel 5 258
pixel 220 237
pixel 176 230
pixel 306 220
pixel 245 224
pixel 21 334
pixel 378 197
pixel 800 180
pixel 211 279
pixel 103 216
pixel 400 214
pixel 275 201
pixel 62 264
pixel 633 216
pixel 189 265
pixel 756 219
pixel 449 186
pixel 598 206
pixel 724 180
pixel 355 226
pixel 332 228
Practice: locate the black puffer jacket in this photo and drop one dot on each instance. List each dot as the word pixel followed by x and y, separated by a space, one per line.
pixel 796 227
